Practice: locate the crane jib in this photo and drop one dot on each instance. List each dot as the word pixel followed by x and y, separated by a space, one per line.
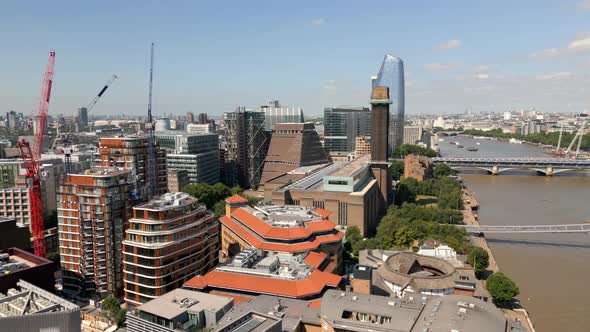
pixel 48 90
pixel 103 90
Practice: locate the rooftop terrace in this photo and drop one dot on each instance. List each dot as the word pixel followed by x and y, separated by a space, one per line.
pixel 168 201
pixel 285 215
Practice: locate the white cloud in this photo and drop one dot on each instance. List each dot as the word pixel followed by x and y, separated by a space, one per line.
pixel 555 76
pixel 584 4
pixel 482 69
pixel 318 21
pixel 482 76
pixel 453 43
pixel 546 53
pixel 330 85
pixel 437 66
pixel 580 44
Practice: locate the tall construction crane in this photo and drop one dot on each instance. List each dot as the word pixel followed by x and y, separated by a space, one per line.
pixel 32 156
pixel 579 136
pixel 150 124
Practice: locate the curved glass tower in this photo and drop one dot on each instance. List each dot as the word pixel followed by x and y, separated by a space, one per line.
pixel 391 75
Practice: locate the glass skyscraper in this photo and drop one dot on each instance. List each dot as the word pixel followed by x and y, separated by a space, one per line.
pixel 391 75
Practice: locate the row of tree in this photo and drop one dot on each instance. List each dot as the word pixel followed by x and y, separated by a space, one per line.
pixel 213 196
pixel 542 137
pixel 448 191
pixel 406 149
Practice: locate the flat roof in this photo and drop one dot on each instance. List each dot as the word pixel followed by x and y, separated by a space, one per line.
pixel 31 300
pixel 179 301
pixel 167 201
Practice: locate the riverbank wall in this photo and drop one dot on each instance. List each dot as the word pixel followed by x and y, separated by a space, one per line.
pixel 470 217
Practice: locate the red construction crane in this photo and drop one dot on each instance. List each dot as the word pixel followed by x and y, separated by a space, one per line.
pixel 32 157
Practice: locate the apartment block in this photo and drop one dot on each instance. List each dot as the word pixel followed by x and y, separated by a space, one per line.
pixel 94 209
pixel 131 152
pixel 14 203
pixel 170 239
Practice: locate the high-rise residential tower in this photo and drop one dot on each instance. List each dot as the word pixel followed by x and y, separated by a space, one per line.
pixel 246 142
pixel 391 75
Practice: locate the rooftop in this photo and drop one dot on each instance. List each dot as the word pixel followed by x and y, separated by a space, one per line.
pixel 31 300
pixel 168 201
pixel 179 301
pixel 14 259
pixel 285 215
pixel 98 171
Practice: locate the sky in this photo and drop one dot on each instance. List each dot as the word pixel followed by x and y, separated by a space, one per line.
pixel 212 56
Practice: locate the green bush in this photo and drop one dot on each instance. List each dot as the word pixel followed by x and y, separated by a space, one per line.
pixel 478 258
pixel 501 288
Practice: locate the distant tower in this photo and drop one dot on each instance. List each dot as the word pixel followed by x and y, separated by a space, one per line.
pixel 379 148
pixel 190 117
pixel 391 75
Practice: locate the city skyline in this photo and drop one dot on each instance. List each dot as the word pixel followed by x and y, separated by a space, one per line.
pixel 312 57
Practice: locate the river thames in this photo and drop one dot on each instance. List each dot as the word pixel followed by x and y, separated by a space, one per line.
pixel 551 270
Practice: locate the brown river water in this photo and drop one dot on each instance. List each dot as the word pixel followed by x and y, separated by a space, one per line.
pixel 552 270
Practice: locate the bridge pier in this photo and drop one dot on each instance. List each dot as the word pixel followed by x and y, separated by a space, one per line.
pixel 549 171
pixel 495 169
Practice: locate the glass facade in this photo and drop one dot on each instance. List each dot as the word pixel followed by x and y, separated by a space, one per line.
pixel 343 125
pixel 391 75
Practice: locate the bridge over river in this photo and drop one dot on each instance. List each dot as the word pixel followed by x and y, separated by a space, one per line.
pixel 547 166
pixel 522 229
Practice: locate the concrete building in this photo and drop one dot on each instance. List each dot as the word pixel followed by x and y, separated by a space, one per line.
pixel 12 235
pixel 346 311
pixel 93 212
pixel 292 145
pixel 417 167
pixel 32 309
pixel 347 190
pixel 362 146
pixel 9 171
pixel 198 154
pixel 246 142
pixel 197 128
pixel 170 239
pixel 17 264
pixel 292 229
pixel 177 179
pixel 254 272
pixel 274 113
pixel 412 135
pixel 131 152
pixel 180 310
pixel 190 117
pixel 342 125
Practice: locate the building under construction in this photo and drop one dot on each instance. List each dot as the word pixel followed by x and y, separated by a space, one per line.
pixel 247 143
pixel 93 212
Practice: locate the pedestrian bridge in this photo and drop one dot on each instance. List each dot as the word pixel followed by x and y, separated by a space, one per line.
pixel 547 166
pixel 521 229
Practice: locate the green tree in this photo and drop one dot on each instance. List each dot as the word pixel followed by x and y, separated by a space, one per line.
pixel 53 256
pixel 404 236
pixel 112 310
pixel 406 149
pixel 478 258
pixel 219 208
pixel 442 170
pixel 404 194
pixel 501 288
pixel 397 169
pixel 236 190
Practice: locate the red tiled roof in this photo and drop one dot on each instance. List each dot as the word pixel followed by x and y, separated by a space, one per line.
pixel 256 242
pixel 317 303
pixel 322 212
pixel 331 268
pixel 236 199
pixel 315 259
pixel 266 230
pixel 314 284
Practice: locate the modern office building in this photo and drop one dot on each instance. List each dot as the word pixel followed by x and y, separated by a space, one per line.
pixel 342 125
pixel 180 310
pixel 198 154
pixel 82 117
pixel 292 229
pixel 347 190
pixel 391 75
pixel 29 308
pixel 177 180
pixel 275 113
pixel 203 118
pixel 170 239
pixel 9 171
pixel 246 142
pixel 131 152
pixel 93 212
pixel 292 145
pixel 412 135
pixel 254 272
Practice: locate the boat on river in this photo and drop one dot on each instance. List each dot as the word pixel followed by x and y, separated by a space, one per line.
pixel 472 149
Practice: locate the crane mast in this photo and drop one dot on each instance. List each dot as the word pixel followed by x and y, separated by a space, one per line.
pixel 31 159
pixel 152 164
